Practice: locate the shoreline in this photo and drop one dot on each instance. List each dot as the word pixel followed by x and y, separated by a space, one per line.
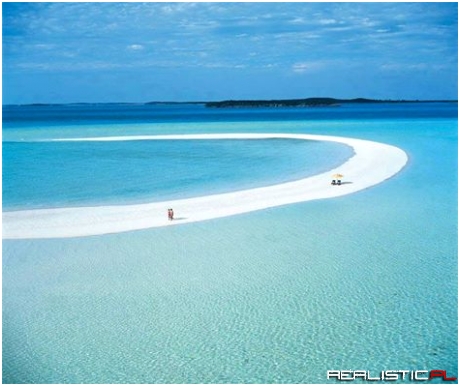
pixel 361 171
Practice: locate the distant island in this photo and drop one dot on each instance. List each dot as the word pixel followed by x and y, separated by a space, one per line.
pixel 307 102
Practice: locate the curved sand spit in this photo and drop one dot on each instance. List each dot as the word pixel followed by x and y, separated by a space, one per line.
pixel 372 163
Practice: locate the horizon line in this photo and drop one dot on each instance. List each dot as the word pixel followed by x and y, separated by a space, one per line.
pixel 341 100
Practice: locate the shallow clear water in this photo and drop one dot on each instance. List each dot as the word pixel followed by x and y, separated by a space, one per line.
pixel 52 174
pixel 365 281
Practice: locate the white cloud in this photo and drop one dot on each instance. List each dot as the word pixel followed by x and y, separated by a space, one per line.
pixel 414 66
pixel 135 47
pixel 327 21
pixel 44 46
pixel 297 20
pixel 304 67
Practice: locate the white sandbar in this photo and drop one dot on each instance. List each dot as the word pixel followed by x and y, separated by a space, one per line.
pixel 371 164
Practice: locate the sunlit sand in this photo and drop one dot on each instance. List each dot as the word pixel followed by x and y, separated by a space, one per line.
pixel 371 164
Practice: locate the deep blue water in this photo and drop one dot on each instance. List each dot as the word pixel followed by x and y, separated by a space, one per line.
pixel 30 115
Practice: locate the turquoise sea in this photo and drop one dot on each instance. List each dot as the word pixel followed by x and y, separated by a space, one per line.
pixel 367 281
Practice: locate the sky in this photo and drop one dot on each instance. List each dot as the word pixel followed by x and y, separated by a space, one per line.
pixel 139 52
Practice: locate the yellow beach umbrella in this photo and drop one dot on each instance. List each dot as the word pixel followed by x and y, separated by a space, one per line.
pixel 337 176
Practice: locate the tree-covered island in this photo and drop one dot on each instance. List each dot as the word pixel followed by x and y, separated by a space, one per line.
pixel 307 102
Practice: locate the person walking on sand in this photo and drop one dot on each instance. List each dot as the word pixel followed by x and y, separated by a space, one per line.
pixel 170 214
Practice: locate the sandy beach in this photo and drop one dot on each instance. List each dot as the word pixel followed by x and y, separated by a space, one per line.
pixel 371 164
